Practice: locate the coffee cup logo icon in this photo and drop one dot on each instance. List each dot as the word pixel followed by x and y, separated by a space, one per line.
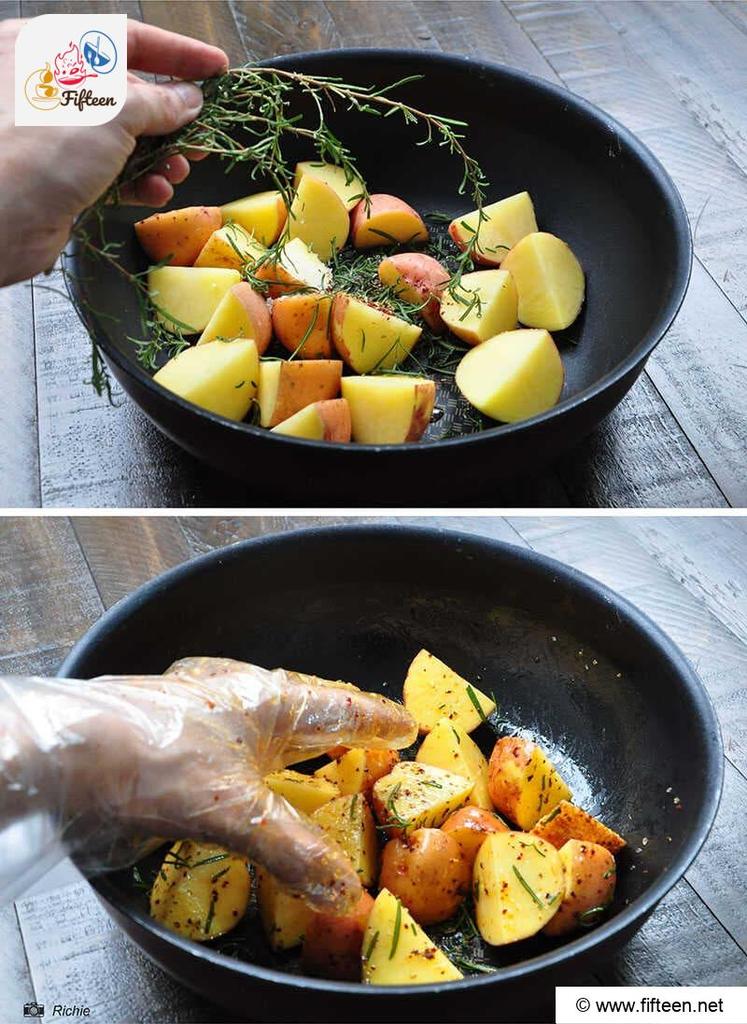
pixel 41 90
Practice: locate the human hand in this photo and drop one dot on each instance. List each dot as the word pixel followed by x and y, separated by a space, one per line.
pixel 183 756
pixel 48 176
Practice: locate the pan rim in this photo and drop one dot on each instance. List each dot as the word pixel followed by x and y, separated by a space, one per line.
pixel 632 915
pixel 682 240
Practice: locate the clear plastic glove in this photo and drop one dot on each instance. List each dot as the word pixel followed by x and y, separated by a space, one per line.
pixel 104 764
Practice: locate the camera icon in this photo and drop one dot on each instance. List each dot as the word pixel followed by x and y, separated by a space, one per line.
pixel 33 1009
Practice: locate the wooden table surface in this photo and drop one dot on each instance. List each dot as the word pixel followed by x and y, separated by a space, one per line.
pixel 57 575
pixel 676 74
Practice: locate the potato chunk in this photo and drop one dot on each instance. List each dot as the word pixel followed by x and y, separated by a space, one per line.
pixel 470 827
pixel 433 691
pixel 389 410
pixel 241 313
pixel 230 246
pixel 185 298
pixel 301 324
pixel 416 795
pixel 505 223
pixel 513 376
pixel 177 236
pixel 369 338
pixel 548 279
pixel 333 943
pixel 425 869
pixel 419 279
pixel 321 421
pixel 589 875
pixel 263 215
pixel 201 890
pixel 566 821
pixel 385 220
pixel 220 376
pixel 350 190
pixel 481 306
pixel 349 821
pixel 358 769
pixel 448 746
pixel 286 386
pixel 523 783
pixel 306 793
pixel 396 950
pixel 297 269
pixel 518 885
pixel 284 915
pixel 318 216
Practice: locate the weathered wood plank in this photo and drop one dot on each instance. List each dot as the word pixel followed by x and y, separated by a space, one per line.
pixel 734 10
pixel 269 28
pixel 359 23
pixel 19 447
pixel 213 23
pixel 49 598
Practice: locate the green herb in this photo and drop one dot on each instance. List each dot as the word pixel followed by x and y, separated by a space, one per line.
pixel 589 917
pixel 138 880
pixel 478 706
pixel 456 735
pixel 353 805
pixel 549 817
pixel 220 874
pixel 528 887
pixel 610 871
pixel 433 783
pixel 306 335
pixel 211 913
pixel 371 946
pixel 532 846
pixel 397 926
pixel 475 966
pixel 210 860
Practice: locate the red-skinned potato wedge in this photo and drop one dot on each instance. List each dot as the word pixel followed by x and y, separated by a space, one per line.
pixel 589 875
pixel 303 318
pixel 383 220
pixel 332 943
pixel 426 871
pixel 328 420
pixel 242 313
pixel 358 768
pixel 566 821
pixel 522 782
pixel 367 337
pixel 417 278
pixel 285 387
pixel 230 246
pixel 177 236
pixel 501 226
pixel 470 826
pixel 389 410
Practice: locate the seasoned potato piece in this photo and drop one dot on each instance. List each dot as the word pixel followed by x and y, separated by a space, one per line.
pixel 396 950
pixel 518 885
pixel 483 305
pixel 333 943
pixel 523 783
pixel 426 871
pixel 349 190
pixel 241 313
pixel 383 219
pixel 549 281
pixel 284 915
pixel 186 297
pixel 318 217
pixel 296 269
pixel 503 224
pixel 470 827
pixel 230 246
pixel 328 772
pixel 448 746
pixel 566 821
pixel 432 691
pixel 304 792
pixel 418 796
pixel 589 874
pixel 367 337
pixel 358 769
pixel 177 236
pixel 201 891
pixel 348 820
pixel 263 215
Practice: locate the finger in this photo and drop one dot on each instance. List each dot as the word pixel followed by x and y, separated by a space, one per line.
pixel 148 190
pixel 195 155
pixel 160 109
pixel 166 53
pixel 174 169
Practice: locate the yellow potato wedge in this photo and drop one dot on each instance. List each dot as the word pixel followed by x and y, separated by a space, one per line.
pixel 284 915
pixel 523 783
pixel 396 950
pixel 589 875
pixel 185 298
pixel 349 190
pixel 241 313
pixel 549 281
pixel 513 376
pixel 484 304
pixel 201 890
pixel 503 224
pixel 369 338
pixel 220 376
pixel 389 410
pixel 287 386
pixel 358 769
pixel 329 773
pixel 318 217
pixel 296 269
pixel 416 795
pixel 263 215
pixel 321 421
pixel 432 691
pixel 448 746
pixel 230 246
pixel 349 821
pixel 307 793
pixel 566 821
pixel 518 886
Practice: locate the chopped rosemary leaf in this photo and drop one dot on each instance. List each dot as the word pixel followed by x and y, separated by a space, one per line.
pixel 371 946
pixel 397 926
pixel 528 887
pixel 478 706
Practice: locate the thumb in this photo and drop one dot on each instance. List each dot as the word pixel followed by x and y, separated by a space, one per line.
pixel 160 109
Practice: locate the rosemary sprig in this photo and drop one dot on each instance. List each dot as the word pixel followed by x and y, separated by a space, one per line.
pixel 528 887
pixel 395 934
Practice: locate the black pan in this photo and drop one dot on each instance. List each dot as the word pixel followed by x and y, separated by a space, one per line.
pixel 593 183
pixel 571 663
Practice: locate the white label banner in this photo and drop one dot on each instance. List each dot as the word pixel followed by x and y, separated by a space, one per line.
pixel 641 1005
pixel 70 69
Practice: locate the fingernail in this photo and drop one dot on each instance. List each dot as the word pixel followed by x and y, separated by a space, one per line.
pixel 189 94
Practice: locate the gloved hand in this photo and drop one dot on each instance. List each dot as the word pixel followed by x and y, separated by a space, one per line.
pixel 183 755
